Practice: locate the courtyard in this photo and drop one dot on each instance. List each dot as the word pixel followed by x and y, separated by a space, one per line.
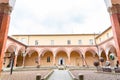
pixel 56 74
pixel 62 45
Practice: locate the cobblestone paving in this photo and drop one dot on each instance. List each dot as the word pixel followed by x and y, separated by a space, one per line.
pixel 94 75
pixel 23 75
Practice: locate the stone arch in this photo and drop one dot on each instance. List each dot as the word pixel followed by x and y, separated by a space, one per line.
pixel 112 50
pixel 80 51
pixel 76 58
pixel 11 48
pixel 90 57
pixel 30 58
pixel 20 56
pixel 9 45
pixel 61 58
pixel 61 49
pixel 9 51
pixel 46 58
pixel 91 50
pixel 29 51
pixel 42 52
pixel 103 55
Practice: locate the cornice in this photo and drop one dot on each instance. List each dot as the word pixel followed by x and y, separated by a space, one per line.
pixel 5 8
pixel 115 9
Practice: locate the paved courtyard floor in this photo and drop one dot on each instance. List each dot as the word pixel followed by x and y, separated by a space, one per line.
pixel 60 75
pixel 23 75
pixel 31 75
pixel 94 75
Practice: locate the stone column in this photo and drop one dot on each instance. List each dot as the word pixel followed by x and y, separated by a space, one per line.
pixel 5 11
pixel 15 61
pixel 54 60
pixel 23 64
pixel 39 61
pixel 83 62
pixel 115 19
pixel 69 63
pixel 107 58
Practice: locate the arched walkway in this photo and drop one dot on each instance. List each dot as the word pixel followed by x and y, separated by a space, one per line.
pixel 61 58
pixel 103 55
pixel 46 59
pixel 30 59
pixel 10 50
pixel 19 59
pixel 75 59
pixel 90 58
pixel 112 50
pixel 7 60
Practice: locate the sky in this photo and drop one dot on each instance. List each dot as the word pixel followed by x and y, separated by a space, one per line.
pixel 59 17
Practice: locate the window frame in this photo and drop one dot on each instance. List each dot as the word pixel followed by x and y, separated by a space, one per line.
pixel 80 42
pixel 68 42
pixel 48 59
pixel 36 42
pixel 91 41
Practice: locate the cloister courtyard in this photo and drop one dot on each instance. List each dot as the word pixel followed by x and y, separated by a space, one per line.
pixel 87 56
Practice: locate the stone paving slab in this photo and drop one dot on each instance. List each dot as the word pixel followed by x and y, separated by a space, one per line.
pixel 60 75
pixel 94 75
pixel 23 75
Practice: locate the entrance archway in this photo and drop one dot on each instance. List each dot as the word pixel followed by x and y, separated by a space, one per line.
pixel 61 61
pixel 61 58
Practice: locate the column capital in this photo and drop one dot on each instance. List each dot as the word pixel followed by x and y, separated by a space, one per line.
pixel 115 9
pixel 5 8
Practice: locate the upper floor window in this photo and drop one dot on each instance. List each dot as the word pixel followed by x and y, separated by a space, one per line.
pixel 23 40
pixel 68 41
pixel 91 41
pixel 107 35
pixel 36 42
pixel 16 38
pixel 79 41
pixel 52 42
pixel 100 39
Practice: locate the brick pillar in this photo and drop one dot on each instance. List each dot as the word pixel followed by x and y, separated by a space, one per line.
pixel 15 61
pixel 69 62
pixel 115 20
pixel 39 60
pixel 54 62
pixel 23 64
pixel 5 11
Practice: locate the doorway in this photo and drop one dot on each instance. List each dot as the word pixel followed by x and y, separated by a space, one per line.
pixel 61 61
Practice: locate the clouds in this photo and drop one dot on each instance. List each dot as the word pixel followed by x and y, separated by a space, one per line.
pixel 58 16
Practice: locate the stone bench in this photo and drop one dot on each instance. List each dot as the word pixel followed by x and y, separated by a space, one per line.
pixel 107 69
pixel 117 70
